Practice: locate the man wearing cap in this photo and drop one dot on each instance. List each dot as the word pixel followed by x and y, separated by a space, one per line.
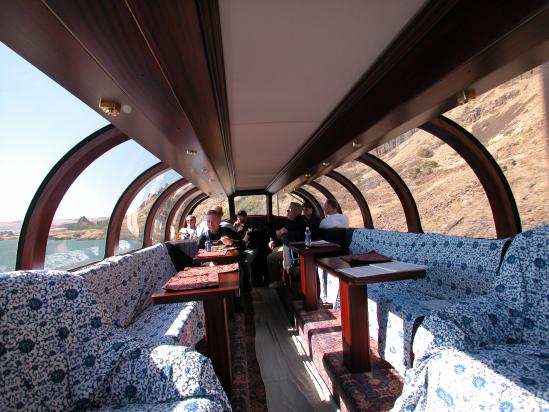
pixel 293 230
pixel 245 231
pixel 312 219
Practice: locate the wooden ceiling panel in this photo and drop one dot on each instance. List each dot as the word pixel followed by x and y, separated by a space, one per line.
pixel 450 46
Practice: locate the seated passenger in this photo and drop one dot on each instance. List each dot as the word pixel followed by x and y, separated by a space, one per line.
pixel 293 230
pixel 312 219
pixel 189 232
pixel 245 230
pixel 218 233
pixel 203 226
pixel 333 219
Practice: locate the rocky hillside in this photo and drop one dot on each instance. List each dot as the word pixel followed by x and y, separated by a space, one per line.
pixel 510 121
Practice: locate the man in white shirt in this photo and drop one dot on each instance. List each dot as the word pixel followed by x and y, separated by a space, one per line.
pixel 333 219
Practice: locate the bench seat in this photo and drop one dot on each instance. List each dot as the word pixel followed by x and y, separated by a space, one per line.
pixel 174 324
pixel 124 284
pixel 58 353
pixel 458 269
pixel 490 353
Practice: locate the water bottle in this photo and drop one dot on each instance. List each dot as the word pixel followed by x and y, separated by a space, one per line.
pixel 307 237
pixel 208 246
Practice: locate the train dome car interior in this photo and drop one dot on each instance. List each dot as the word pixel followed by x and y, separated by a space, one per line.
pixel 424 122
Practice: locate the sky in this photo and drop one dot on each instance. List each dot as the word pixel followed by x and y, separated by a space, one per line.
pixel 39 122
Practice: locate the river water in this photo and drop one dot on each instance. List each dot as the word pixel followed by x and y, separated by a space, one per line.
pixel 64 254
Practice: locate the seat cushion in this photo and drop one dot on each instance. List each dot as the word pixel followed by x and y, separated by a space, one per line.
pixel 195 404
pixel 457 267
pixel 393 315
pixel 174 324
pixel 498 378
pixel 162 374
pixel 54 347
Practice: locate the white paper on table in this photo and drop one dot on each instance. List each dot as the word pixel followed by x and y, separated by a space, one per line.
pixel 380 269
pixel 320 243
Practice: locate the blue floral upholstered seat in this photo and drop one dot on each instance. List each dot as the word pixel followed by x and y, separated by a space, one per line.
pixel 458 269
pixel 124 284
pixel 57 353
pixel 491 353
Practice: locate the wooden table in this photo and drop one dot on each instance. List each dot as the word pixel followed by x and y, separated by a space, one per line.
pixel 353 296
pixel 307 267
pixel 230 257
pixel 215 312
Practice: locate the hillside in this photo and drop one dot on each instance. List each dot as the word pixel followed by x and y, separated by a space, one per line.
pixel 510 121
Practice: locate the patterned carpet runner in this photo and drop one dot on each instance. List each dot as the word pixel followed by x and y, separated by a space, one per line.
pixel 248 393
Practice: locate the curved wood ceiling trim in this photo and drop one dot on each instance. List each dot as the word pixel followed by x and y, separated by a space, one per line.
pixel 174 210
pixel 33 240
pixel 357 195
pixel 213 44
pixel 309 196
pixel 497 189
pixel 325 192
pixel 192 206
pixel 404 194
pixel 404 88
pixel 124 202
pixel 147 232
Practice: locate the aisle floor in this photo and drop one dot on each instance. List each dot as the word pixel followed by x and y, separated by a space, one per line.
pixel 289 376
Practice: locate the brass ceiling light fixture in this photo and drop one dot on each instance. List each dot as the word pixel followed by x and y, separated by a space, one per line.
pixel 192 152
pixel 325 164
pixel 466 96
pixel 109 107
pixel 307 175
pixel 356 144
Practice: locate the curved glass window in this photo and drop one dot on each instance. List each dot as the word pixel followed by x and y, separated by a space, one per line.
pixel 384 204
pixel 202 208
pixel 253 205
pixel 345 199
pixel 175 224
pixel 511 122
pixel 281 202
pixel 78 233
pixel 32 140
pixel 160 220
pixel 133 225
pixel 320 198
pixel 449 197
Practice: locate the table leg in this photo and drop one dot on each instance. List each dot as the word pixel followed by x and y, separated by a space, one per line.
pixel 229 304
pixel 354 327
pixel 308 281
pixel 217 336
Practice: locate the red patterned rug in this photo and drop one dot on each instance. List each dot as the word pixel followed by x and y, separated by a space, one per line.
pixel 320 332
pixel 248 393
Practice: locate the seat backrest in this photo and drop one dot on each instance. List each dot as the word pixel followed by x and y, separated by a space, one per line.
pixel 124 284
pixel 525 267
pixel 54 349
pixel 457 267
pixel 397 245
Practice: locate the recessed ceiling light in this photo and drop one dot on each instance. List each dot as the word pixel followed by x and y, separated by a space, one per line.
pixel 126 108
pixel 325 164
pixel 356 144
pixel 307 175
